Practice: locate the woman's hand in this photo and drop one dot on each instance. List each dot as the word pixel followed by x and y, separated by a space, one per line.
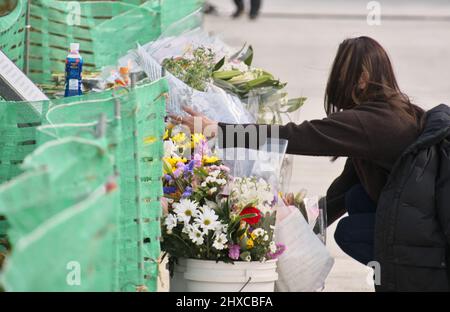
pixel 289 199
pixel 196 122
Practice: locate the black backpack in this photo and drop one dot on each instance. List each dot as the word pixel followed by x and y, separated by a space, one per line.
pixel 412 232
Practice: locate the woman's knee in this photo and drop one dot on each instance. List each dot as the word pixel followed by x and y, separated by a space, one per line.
pixel 341 232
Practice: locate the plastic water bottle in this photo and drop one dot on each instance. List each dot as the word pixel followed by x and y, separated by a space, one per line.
pixel 74 67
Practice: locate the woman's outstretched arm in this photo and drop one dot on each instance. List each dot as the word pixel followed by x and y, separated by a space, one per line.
pixel 340 134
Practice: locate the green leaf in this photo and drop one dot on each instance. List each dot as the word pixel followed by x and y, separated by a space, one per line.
pixel 219 64
pixel 248 215
pixel 226 74
pixel 247 58
pixel 295 104
pixel 167 167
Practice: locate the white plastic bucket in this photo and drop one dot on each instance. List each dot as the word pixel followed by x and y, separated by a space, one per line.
pixel 211 276
pixel 177 282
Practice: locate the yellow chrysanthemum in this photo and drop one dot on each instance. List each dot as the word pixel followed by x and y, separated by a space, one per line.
pixel 197 138
pixel 179 138
pixel 250 243
pixel 171 162
pixel 174 160
pixel 166 134
pixel 210 159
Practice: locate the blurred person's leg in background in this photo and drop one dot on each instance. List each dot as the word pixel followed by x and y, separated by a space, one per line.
pixel 239 8
pixel 254 10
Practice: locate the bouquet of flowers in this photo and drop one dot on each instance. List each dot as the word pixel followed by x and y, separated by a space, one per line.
pixel 211 215
pixel 264 94
pixel 256 87
pixel 194 68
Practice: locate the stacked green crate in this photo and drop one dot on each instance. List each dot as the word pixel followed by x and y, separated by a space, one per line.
pixel 105 31
pixel 12 33
pixel 140 165
pixel 175 10
pixel 63 214
pixel 138 160
pixel 18 122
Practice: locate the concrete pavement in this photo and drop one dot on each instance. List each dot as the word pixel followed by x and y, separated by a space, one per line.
pixel 300 49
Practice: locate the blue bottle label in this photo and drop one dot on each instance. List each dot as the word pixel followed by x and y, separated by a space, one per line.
pixel 74 66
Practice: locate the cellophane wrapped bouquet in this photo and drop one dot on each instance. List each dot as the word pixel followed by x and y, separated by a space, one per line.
pixel 209 214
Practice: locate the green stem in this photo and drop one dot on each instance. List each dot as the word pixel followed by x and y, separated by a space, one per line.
pixel 207 246
pixel 187 245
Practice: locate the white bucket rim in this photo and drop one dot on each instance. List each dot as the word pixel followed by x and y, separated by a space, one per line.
pixel 260 272
pixel 268 263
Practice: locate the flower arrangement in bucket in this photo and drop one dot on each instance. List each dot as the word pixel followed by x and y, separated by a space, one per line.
pixel 217 227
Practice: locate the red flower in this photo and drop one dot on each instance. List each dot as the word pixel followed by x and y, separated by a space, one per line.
pixel 251 211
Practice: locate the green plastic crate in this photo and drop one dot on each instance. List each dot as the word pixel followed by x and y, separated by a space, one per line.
pixel 67 216
pixel 18 122
pixel 105 31
pixel 138 153
pixel 12 33
pixel 175 10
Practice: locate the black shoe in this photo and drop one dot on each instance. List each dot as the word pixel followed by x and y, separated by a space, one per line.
pixel 253 16
pixel 237 14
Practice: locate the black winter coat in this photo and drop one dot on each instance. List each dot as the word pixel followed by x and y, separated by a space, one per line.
pixel 412 232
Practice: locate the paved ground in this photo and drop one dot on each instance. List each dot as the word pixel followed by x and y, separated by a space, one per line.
pixel 297 39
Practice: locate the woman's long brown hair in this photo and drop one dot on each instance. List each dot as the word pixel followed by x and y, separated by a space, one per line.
pixel 364 59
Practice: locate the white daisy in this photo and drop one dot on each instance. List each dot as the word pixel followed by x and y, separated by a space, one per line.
pixel 170 222
pixel 207 219
pixel 195 235
pixel 221 228
pixel 272 247
pixel 214 173
pixel 258 232
pixel 220 241
pixel 212 190
pixel 221 181
pixel 186 209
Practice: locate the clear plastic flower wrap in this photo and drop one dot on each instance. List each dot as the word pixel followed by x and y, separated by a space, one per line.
pixel 214 102
pixel 266 162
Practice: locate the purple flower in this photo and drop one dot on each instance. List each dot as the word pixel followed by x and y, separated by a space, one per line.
pixel 197 160
pixel 168 177
pixel 275 200
pixel 178 172
pixel 187 192
pixel 169 189
pixel 280 249
pixel 190 166
pixel 234 252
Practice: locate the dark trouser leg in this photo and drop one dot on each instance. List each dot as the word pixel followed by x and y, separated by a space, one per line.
pixel 255 6
pixel 358 201
pixel 239 5
pixel 355 233
pixel 355 236
pixel 239 8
